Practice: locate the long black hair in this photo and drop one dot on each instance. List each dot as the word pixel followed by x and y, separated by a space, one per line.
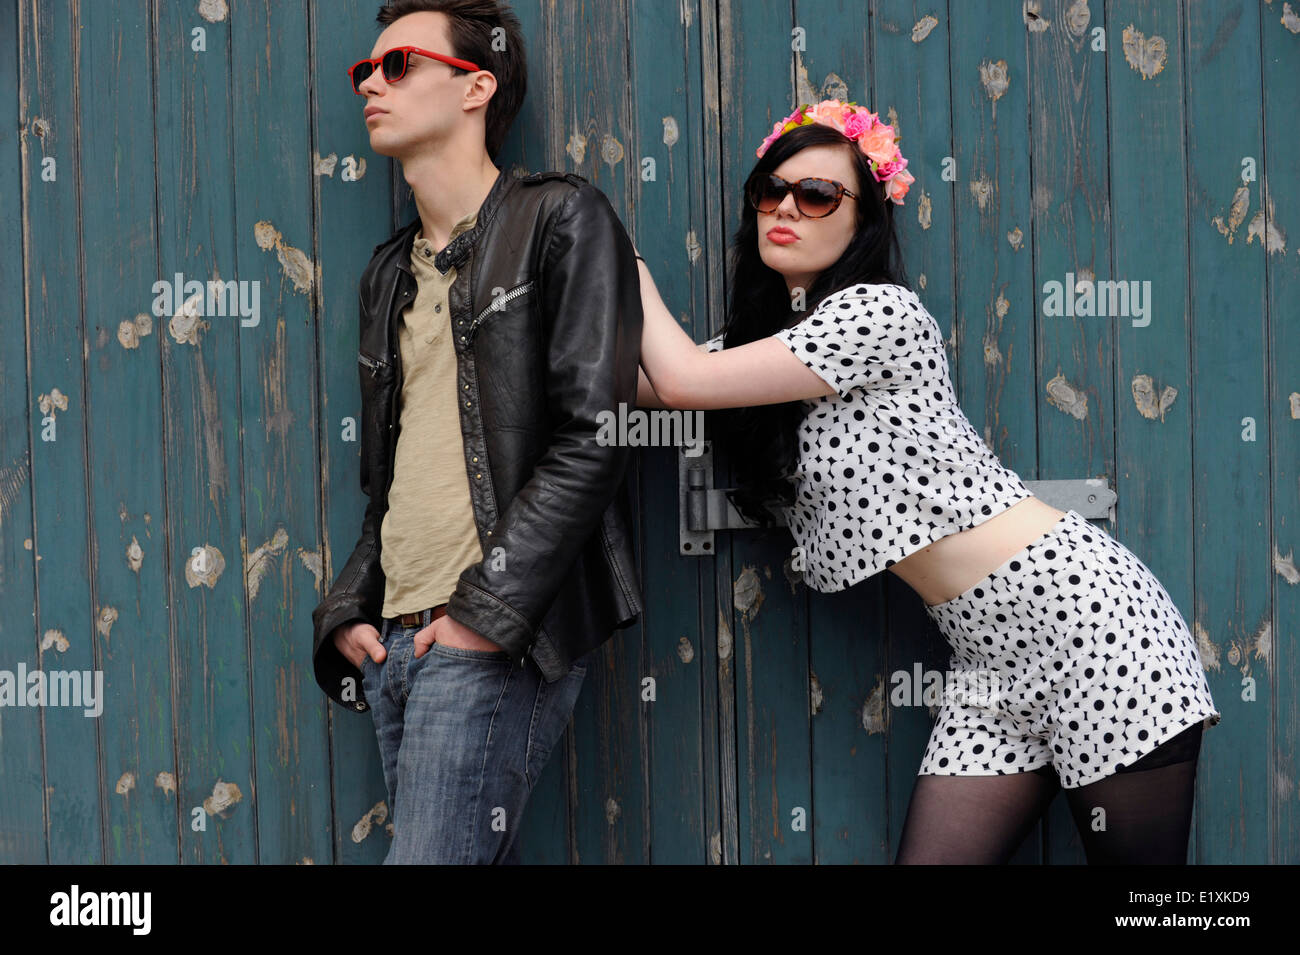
pixel 760 441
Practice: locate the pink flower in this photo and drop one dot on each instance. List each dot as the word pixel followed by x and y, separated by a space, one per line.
pixel 878 144
pixel 856 125
pixel 898 186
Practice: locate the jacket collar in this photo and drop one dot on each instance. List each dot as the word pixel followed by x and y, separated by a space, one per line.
pixel 459 248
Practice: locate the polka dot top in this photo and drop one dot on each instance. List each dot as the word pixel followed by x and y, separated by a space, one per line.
pixel 889 463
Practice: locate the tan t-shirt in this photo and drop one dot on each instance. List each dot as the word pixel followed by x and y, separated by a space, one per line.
pixel 428 535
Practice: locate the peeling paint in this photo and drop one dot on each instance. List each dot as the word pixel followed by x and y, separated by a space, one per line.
pixel 1294 398
pixel 803 88
pixel 104 623
pixel 815 696
pixel 685 12
pixel 992 354
pixel 212 564
pixel 125 783
pixel 1207 649
pixel 1068 398
pixel 54 401
pixel 1263 226
pixel 55 639
pixel 259 562
pixel 130 331
pixel 1146 55
pixel 134 554
pixel 921 280
pixel 923 211
pixel 576 147
pixel 1236 213
pixel 40 127
pixel 671 134
pixel 311 559
pixel 1034 19
pixel 214 11
pixel 224 798
pixel 611 150
pixel 1144 396
pixel 693 248
pixel 376 815
pixel 685 652
pixel 166 782
pixel 1001 306
pixel 922 27
pixel 612 810
pixel 994 78
pixel 1285 566
pixel 324 166
pixel 747 593
pixel 1015 238
pixel 834 87
pixel 294 262
pixel 724 637
pixel 1289 18
pixel 1077 18
pixel 981 189
pixel 186 324
pixel 873 710
pixel 715 848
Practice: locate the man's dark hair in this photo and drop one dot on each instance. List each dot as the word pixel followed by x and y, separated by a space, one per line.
pixel 471 23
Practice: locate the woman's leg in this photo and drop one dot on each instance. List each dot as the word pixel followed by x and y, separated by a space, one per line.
pixel 1141 814
pixel 973 820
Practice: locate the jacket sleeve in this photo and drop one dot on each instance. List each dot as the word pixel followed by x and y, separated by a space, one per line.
pixel 591 312
pixel 356 595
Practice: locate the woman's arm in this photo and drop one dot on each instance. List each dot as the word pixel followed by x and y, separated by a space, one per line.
pixel 683 375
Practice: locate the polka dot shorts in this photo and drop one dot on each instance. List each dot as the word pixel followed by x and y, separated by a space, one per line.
pixel 1069 654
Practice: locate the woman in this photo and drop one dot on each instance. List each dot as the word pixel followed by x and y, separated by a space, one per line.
pixel 844 415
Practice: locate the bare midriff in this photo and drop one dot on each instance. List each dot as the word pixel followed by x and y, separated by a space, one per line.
pixel 951 565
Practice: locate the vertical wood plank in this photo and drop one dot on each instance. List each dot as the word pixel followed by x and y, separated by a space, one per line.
pixel 272 217
pixel 201 433
pixel 22 769
pixel 57 401
pixel 124 406
pixel 1230 401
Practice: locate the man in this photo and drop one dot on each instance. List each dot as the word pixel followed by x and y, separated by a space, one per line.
pixel 495 550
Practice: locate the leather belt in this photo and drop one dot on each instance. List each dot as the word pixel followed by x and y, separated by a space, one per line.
pixel 416 618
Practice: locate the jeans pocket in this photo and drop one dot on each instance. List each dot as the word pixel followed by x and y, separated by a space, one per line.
pixel 464 653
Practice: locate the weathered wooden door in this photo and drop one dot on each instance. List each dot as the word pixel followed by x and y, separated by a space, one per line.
pixel 176 493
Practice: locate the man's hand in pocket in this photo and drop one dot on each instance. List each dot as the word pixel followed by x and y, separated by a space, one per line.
pixel 358 640
pixel 449 633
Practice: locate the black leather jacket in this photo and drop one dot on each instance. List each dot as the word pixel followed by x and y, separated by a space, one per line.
pixel 546 315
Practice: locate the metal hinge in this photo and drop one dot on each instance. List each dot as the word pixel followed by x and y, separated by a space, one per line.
pixel 703 509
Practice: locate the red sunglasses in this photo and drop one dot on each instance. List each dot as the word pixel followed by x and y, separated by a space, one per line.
pixel 393 63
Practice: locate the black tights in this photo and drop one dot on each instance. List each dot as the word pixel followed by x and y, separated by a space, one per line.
pixel 1146 811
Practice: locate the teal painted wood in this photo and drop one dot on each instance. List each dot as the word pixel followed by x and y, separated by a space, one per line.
pixel 1229 370
pixel 198 238
pixel 669 211
pixel 277 372
pixel 1281 168
pixel 137 790
pixel 1153 451
pixel 59 465
pixel 772 736
pixel 354 201
pixel 22 769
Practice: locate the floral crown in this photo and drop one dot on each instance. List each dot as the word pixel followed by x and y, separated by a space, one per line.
pixel 875 139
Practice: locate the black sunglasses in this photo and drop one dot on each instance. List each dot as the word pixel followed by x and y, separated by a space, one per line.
pixel 394 61
pixel 815 198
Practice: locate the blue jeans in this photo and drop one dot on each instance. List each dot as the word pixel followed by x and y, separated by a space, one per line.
pixel 463 736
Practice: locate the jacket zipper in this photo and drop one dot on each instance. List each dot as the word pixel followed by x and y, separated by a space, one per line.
pixel 499 303
pixel 373 364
